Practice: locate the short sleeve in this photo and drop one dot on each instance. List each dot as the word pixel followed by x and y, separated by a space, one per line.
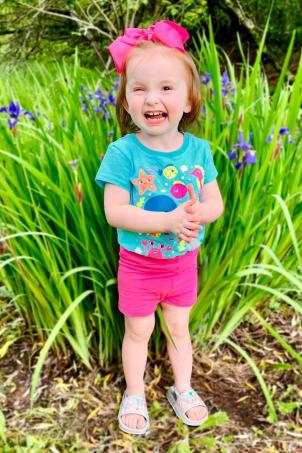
pixel 210 169
pixel 115 168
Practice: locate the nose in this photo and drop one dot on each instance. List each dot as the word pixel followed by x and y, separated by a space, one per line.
pixel 151 97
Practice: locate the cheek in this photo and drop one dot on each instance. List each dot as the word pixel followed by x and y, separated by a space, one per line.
pixel 134 104
pixel 174 105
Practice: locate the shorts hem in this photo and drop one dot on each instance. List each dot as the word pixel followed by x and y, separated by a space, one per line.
pixel 179 305
pixel 137 315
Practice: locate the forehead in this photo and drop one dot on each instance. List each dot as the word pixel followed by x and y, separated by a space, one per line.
pixel 159 63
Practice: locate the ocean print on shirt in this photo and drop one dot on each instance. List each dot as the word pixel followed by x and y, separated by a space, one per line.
pixel 162 190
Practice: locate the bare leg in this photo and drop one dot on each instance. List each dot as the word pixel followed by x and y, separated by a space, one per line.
pixel 177 319
pixel 134 355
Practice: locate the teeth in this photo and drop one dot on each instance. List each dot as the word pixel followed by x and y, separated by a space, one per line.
pixel 153 113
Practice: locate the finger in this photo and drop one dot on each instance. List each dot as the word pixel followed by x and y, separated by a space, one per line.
pixel 192 225
pixel 189 233
pixel 193 218
pixel 184 238
pixel 191 193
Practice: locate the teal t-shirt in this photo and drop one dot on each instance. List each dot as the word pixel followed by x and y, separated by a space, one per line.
pixel 157 181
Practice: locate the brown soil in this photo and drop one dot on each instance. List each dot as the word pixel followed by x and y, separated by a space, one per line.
pixel 73 401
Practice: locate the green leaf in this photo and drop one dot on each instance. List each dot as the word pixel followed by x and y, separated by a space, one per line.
pixel 2 426
pixel 50 340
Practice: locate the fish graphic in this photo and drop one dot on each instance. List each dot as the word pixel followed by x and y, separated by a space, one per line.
pixel 169 172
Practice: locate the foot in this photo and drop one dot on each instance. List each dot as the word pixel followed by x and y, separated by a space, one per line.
pixel 134 420
pixel 196 413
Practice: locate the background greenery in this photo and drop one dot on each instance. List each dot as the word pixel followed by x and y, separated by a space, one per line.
pixel 31 29
pixel 58 254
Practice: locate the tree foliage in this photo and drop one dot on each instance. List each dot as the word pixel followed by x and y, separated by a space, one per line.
pixel 45 28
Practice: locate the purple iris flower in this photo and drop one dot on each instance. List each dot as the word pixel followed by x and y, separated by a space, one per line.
pixel 241 143
pixel 232 154
pixel 98 94
pixel 206 78
pixel 111 99
pixel 225 78
pixel 98 101
pixel 15 111
pixel 284 130
pixel 227 86
pixel 74 163
pixel 249 156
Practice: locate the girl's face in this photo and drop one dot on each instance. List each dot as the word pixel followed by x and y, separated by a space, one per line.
pixel 156 92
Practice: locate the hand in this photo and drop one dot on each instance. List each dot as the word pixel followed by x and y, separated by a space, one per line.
pixel 182 223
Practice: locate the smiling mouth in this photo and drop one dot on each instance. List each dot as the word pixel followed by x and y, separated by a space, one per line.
pixel 155 115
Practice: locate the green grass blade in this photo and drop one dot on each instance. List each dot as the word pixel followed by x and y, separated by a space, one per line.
pixel 279 338
pixel 271 409
pixel 50 339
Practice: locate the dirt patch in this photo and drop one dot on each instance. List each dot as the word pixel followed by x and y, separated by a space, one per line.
pixel 76 402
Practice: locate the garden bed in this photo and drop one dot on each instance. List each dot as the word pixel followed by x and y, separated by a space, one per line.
pixel 76 409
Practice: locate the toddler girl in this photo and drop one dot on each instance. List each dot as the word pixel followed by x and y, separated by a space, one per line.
pixel 160 190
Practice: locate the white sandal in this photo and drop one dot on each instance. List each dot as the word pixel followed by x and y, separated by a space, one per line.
pixel 182 402
pixel 133 405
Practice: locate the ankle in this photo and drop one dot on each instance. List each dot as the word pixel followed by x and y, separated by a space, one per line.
pixel 135 391
pixel 183 388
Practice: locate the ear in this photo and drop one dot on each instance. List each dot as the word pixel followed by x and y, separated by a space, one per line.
pixel 187 108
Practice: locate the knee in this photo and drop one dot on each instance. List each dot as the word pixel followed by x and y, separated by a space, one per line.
pixel 139 329
pixel 178 329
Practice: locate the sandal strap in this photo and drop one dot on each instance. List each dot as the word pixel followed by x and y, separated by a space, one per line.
pixel 188 399
pixel 134 405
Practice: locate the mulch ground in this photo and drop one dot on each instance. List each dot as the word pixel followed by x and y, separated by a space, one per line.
pixel 76 409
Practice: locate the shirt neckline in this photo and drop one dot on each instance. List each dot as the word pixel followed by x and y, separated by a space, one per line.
pixel 154 152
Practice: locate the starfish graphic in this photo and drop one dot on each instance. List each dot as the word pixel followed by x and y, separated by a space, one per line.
pixel 144 182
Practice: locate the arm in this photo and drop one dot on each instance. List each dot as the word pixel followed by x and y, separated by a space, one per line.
pixel 120 214
pixel 210 206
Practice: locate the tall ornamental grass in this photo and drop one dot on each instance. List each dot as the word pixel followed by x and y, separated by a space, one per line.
pixel 59 256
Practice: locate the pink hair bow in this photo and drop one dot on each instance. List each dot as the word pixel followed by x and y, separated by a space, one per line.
pixel 167 32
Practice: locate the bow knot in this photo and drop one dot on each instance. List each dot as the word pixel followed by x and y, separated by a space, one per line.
pixel 166 32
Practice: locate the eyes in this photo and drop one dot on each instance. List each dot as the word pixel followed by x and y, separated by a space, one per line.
pixel 165 88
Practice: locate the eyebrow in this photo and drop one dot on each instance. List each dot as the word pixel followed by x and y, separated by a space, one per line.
pixel 137 82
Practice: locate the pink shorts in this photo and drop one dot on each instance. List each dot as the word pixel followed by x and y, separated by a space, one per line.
pixel 144 282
